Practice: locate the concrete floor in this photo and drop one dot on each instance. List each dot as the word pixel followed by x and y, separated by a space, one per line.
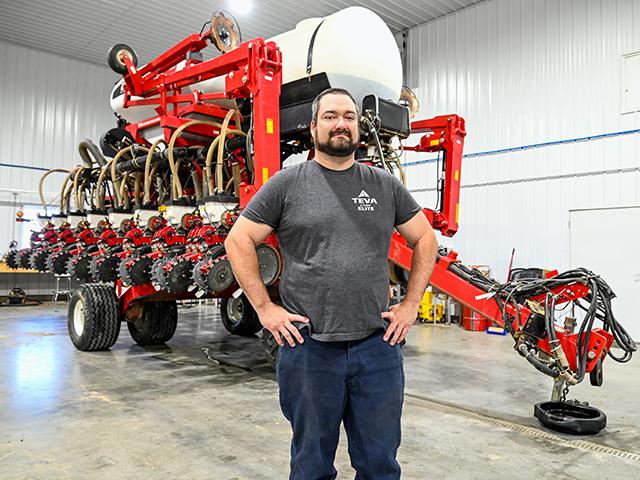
pixel 205 406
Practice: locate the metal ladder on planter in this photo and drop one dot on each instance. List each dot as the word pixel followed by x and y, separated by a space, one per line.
pixel 65 281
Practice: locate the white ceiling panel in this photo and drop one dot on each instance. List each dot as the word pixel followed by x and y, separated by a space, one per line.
pixel 86 29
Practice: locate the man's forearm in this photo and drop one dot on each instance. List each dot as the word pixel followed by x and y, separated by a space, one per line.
pixel 244 262
pixel 424 258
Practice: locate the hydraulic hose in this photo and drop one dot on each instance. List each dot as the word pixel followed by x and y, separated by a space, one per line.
pixel 599 307
pixel 530 355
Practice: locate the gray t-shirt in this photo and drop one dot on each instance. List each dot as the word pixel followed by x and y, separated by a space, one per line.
pixel 334 229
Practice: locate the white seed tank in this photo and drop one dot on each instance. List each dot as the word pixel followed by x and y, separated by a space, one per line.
pixel 354 47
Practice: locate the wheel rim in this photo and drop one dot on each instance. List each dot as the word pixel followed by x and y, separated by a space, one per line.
pixel 235 308
pixel 78 318
pixel 120 57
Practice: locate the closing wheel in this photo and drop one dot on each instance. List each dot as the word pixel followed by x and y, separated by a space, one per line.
pixel 93 320
pixel 180 278
pixel 12 259
pixel 115 57
pixel 104 268
pixel 225 32
pixel 57 263
pixel 270 263
pixel 158 275
pixel 239 317
pixel 79 267
pixel 23 258
pixel 156 325
pixel 220 276
pixel 570 417
pixel 38 260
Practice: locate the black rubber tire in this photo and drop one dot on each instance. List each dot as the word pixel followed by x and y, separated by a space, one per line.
pixel 271 347
pixel 239 317
pixel 100 314
pixel 156 325
pixel 571 418
pixel 113 61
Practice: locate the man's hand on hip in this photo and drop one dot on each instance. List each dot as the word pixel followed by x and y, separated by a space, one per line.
pixel 278 321
pixel 402 316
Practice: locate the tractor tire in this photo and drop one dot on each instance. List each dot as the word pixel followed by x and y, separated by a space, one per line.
pixel 239 317
pixel 271 347
pixel 156 325
pixel 93 319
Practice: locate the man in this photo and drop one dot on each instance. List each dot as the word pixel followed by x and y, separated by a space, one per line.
pixel 340 359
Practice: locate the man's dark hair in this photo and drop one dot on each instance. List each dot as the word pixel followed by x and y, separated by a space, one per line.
pixel 315 106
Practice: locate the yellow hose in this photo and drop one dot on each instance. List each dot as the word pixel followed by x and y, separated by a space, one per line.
pixel 118 201
pixel 147 168
pixel 63 190
pixel 137 188
pixel 114 176
pixel 173 165
pixel 41 184
pixel 100 195
pixel 77 193
pixel 197 184
pixel 223 134
pixel 123 190
pixel 208 178
pixel 176 185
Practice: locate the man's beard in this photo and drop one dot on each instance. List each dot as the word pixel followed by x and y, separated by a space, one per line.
pixel 337 147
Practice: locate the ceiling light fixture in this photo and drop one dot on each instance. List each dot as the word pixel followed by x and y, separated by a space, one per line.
pixel 240 7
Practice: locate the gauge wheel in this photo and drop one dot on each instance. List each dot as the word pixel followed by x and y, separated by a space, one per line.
pixel 115 58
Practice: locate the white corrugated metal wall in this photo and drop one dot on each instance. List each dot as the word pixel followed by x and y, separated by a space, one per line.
pixel 48 103
pixel 524 72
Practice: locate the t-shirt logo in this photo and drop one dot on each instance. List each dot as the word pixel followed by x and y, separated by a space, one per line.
pixel 365 202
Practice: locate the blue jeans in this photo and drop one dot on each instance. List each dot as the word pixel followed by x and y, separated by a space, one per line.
pixel 360 383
